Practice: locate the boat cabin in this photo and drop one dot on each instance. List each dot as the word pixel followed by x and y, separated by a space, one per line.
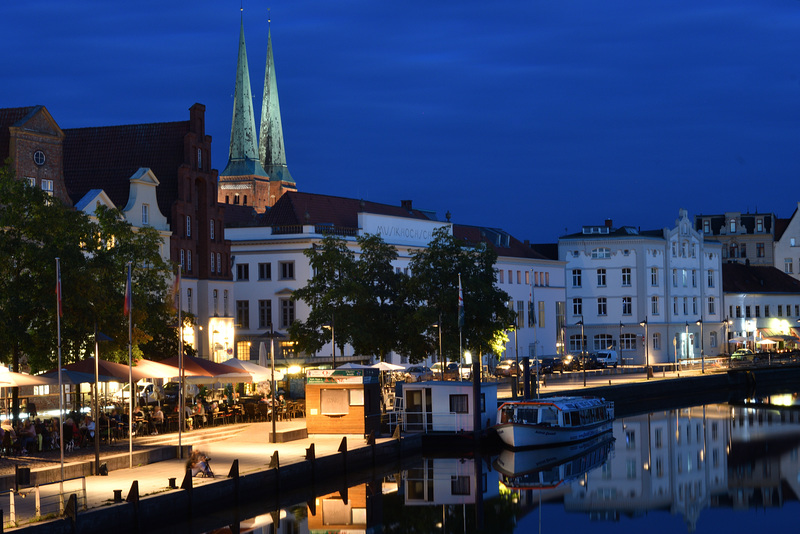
pixel 572 414
pixel 437 406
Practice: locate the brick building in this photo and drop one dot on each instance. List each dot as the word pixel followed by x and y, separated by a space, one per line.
pixel 35 144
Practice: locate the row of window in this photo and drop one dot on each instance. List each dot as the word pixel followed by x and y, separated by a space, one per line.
pixel 626 278
pixel 736 311
pixel 216 262
pixel 215 301
pixel 627 306
pixel 732 226
pixel 735 250
pixel 236 199
pixel 285 271
pixel 539 278
pixel 212 226
pixel 627 341
pixel 47 185
pixel 686 250
pixel 287 313
pixel 538 315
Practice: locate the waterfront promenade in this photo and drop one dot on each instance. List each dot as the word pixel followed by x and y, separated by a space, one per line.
pixel 248 443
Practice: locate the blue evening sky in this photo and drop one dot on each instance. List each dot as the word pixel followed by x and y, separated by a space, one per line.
pixel 534 116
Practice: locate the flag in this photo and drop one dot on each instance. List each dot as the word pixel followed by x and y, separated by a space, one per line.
pixel 176 291
pixel 126 309
pixel 58 291
pixel 460 304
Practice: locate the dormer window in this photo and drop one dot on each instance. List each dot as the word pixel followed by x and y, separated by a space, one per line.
pixel 759 225
pixel 706 227
pixel 38 158
pixel 733 226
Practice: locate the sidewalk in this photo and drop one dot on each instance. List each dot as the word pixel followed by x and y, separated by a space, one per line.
pixel 249 446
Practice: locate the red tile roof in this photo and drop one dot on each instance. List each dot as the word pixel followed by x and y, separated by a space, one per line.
pixel 106 157
pixel 295 207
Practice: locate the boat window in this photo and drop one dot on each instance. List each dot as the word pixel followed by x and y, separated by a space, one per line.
pixel 549 416
pixel 528 415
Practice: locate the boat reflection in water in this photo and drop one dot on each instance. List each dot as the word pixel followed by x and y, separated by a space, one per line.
pixel 551 467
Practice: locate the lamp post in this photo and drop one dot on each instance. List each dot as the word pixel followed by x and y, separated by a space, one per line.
pixel 702 355
pixel 516 365
pixel 583 357
pixel 686 341
pixel 272 335
pixel 333 342
pixel 727 335
pixel 621 326
pixel 439 326
pixel 646 349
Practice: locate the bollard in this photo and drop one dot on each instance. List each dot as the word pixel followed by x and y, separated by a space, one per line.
pixel 118 495
pixel 172 484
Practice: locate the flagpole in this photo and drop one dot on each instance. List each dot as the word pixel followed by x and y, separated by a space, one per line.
pixel 460 324
pixel 181 393
pixel 532 316
pixel 129 309
pixel 60 383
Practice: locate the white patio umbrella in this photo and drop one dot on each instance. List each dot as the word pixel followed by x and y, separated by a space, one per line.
pixel 766 342
pixel 258 372
pixel 385 366
pixel 353 366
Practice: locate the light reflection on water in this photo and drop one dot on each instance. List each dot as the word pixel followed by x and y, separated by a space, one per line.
pixel 720 467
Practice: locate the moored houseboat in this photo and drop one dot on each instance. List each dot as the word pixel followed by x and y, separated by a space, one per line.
pixel 553 421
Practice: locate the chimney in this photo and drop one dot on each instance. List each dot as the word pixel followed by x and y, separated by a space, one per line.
pixel 406 204
pixel 608 223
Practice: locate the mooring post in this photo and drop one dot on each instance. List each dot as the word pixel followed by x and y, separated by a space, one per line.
pixel 312 457
pixel 133 498
pixel 234 474
pixel 343 450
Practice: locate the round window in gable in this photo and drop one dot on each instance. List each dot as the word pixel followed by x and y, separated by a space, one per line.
pixel 38 157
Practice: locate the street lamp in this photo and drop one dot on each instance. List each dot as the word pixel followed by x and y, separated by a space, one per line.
pixel 516 352
pixel 333 342
pixel 272 335
pixel 686 341
pixel 439 326
pixel 583 357
pixel 646 349
pixel 621 326
pixel 702 356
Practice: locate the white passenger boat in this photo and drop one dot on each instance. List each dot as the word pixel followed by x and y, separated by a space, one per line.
pixel 553 421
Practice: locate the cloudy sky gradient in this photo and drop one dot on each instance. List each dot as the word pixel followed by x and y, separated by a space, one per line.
pixel 537 117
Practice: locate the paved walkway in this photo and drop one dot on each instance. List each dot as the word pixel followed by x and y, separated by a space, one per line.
pixel 248 443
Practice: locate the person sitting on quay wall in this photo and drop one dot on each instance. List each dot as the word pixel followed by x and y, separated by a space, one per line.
pixel 198 462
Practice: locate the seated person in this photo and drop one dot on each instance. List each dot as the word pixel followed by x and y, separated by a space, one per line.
pixel 198 462
pixel 156 420
pixel 199 413
pixel 138 419
pixel 27 437
pixel 87 431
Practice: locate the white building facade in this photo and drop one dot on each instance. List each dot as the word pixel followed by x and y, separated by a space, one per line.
pixel 269 265
pixel 624 286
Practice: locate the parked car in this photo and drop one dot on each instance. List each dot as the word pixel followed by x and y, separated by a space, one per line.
pixel 507 368
pixel 571 362
pixel 743 354
pixel 465 370
pixel 171 392
pixel 607 358
pixel 146 393
pixel 418 373
pixel 452 371
pixel 548 365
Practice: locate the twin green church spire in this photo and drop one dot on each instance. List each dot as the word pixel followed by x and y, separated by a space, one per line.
pixel 249 156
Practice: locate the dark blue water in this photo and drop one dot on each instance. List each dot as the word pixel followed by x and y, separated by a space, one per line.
pixel 716 468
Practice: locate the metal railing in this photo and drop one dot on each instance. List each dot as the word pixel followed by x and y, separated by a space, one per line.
pixel 42 500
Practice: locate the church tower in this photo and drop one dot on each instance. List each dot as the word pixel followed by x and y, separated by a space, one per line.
pixel 252 177
pixel 271 151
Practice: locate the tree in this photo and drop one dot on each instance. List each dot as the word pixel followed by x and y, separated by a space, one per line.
pixel 379 297
pixel 433 292
pixel 34 230
pixel 329 295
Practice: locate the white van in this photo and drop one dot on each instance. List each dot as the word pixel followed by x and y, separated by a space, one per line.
pixel 607 358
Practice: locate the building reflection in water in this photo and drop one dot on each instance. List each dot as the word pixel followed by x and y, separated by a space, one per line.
pixel 736 456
